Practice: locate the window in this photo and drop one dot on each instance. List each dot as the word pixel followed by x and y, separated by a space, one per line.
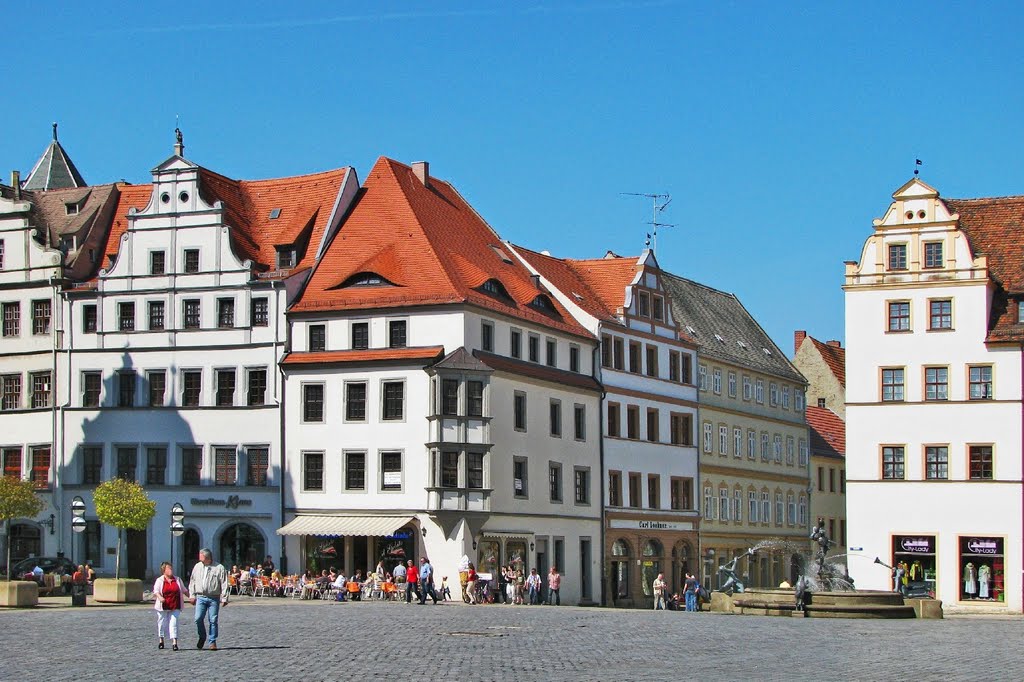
pixel 91 384
pixel 555 411
pixel 980 462
pixel 680 491
pixel 634 490
pixel 803 453
pixel 633 422
pixel 391 471
pixel 1 254
pixel 394 401
pixel 582 485
pixel 12 319
pixel 360 335
pixel 191 465
pixel 936 381
pixel 737 441
pixel 191 387
pixel 773 394
pixel 933 254
pixel 777 448
pixel 791 509
pixel 821 479
pixel 487 336
pixel 225 313
pixel 759 392
pixel 191 314
pixel 892 462
pixel 652 361
pixel 614 489
pixel 126 316
pixel 645 304
pixel 312 402
pixel 225 387
pixel 658 307
pixel 653 425
pixel 707 436
pixel 355 471
pixel 673 366
pixel 748 388
pixel 156 466
pixel 257 461
pixel 40 389
pixel 751 444
pixel 732 384
pixel 256 386
pixel 126 380
pixel 940 314
pixel 41 317
pixel 723 439
pixel 653 491
pixel 396 333
pixel 286 257
pixel 618 356
pixel 614 420
pixel 40 472
pixel 634 357
pixel 710 504
pixel 897 256
pixel 260 312
pixel 191 261
pixel 551 352
pixel 355 401
pixel 520 477
pixel 766 507
pixel 686 375
pixel 802 512
pixel 475 398
pixel 723 504
pixel 157 262
pixel 474 470
pixel 449 469
pixel 752 506
pixel 89 319
pixel 681 428
pixel 716 381
pixel 312 471
pixel 899 316
pixel 156 315
pixel 892 385
pixel 515 341
pixel 980 378
pixel 519 411
pixel 127 462
pixel 574 358
pixel 579 420
pixel 225 466
pixel 831 480
pixel 702 377
pixel 533 349
pixel 316 339
pixel 790 450
pixel 936 462
pixel 798 400
pixel 555 482
pixel 92 465
pixel 764 446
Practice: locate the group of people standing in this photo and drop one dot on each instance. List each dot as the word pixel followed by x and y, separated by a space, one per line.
pixel 691 590
pixel 516 587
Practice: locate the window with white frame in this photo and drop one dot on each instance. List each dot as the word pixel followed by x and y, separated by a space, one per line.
pixel 702 377
pixel 773 394
pixel 798 399
pixel 732 384
pixel 759 391
pixel 737 441
pixel 716 381
pixel 785 397
pixel 707 436
pixel 709 503
pixel 751 444
pixel 790 450
pixel 737 505
pixel 748 388
pixel 723 439
pixel 803 452
pixel 766 507
pixel 723 504
pixel 802 511
pixel 752 506
pixel 777 448
pixel 791 509
pixel 764 446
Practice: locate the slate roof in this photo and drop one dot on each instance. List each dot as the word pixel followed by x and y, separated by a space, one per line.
pixel 54 169
pixel 995 228
pixel 552 375
pixel 90 223
pixel 707 312
pixel 828 432
pixel 461 359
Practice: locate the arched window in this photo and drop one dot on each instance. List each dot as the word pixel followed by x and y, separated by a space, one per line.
pixel 620 569
pixel 620 548
pixel 241 543
pixel 495 288
pixel 650 565
pixel 365 279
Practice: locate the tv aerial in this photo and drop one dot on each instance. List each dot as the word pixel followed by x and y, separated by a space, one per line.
pixel 659 202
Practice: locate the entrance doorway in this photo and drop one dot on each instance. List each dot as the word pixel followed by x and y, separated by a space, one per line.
pixel 241 544
pixel 542 567
pixel 138 557
pixel 189 552
pixel 26 540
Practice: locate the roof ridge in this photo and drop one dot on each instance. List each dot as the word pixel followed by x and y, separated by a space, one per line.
pixel 997 198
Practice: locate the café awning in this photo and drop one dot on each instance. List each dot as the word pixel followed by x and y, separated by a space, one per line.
pixel 329 526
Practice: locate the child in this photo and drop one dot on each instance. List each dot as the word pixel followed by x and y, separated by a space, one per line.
pixel 446 594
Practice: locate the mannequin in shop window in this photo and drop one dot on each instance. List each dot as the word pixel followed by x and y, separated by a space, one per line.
pixel 984 577
pixel 916 571
pixel 970 578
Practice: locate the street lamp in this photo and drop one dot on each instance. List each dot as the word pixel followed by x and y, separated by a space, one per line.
pixel 177 527
pixel 77 522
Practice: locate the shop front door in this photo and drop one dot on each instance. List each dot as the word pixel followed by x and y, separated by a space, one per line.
pixel 136 555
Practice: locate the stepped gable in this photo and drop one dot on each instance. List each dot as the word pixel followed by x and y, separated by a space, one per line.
pixel 828 432
pixel 54 169
pixel 432 248
pixel 994 229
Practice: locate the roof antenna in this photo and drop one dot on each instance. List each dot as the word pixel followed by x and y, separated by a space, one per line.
pixel 179 146
pixel 657 207
pixel 54 131
pixel 917 162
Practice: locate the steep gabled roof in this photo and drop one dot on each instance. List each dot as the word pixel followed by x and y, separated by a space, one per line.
pixel 129 197
pixel 828 432
pixel 564 276
pixel 834 357
pixel 84 213
pixel 54 169
pixel 431 246
pixel 608 277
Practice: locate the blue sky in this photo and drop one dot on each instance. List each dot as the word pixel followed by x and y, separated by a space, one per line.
pixel 780 129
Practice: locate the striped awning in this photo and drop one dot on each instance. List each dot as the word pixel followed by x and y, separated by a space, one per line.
pixel 330 526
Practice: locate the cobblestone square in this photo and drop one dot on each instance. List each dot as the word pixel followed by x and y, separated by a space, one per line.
pixel 273 639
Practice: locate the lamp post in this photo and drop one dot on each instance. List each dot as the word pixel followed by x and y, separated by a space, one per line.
pixel 177 527
pixel 77 522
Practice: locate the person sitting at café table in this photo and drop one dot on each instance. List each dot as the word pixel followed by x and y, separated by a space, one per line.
pixel 339 586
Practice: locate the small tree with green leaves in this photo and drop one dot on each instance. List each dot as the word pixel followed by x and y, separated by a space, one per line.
pixel 123 504
pixel 18 500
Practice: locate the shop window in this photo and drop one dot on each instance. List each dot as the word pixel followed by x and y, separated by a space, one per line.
pixel 620 569
pixel 915 557
pixel 242 544
pixel 981 569
pixel 650 565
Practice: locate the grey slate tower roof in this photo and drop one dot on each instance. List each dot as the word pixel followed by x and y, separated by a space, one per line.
pixel 725 330
pixel 54 169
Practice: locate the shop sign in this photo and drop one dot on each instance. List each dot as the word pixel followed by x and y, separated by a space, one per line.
pixel 983 546
pixel 650 525
pixel 922 545
pixel 230 502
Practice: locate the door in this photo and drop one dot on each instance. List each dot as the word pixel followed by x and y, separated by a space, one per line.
pixel 189 552
pixel 585 591
pixel 136 556
pixel 542 567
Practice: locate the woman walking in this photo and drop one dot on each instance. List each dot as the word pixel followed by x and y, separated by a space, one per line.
pixel 170 592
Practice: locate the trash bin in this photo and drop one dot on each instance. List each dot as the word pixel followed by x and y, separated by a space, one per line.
pixel 77 595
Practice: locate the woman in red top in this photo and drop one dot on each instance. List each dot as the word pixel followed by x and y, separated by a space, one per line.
pixel 412 581
pixel 169 592
pixel 471 584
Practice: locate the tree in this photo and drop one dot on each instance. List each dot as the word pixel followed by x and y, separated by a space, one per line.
pixel 123 504
pixel 18 500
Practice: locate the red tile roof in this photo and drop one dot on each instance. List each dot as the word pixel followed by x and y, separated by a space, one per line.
pixel 828 432
pixel 433 248
pixel 994 227
pixel 371 355
pixel 564 276
pixel 834 357
pixel 607 277
pixel 131 196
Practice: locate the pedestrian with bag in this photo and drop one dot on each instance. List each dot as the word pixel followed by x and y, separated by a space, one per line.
pixel 208 588
pixel 169 593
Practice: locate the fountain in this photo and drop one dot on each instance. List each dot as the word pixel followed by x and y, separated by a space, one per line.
pixel 824 590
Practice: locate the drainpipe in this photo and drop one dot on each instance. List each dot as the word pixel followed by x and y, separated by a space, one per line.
pixel 56 497
pixel 280 400
pixel 595 364
pixel 1022 448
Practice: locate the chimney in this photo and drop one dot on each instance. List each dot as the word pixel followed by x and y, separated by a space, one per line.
pixel 536 282
pixel 16 184
pixel 834 343
pixel 422 171
pixel 798 338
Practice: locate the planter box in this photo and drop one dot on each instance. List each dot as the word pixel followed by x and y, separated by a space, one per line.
pixel 19 593
pixel 122 591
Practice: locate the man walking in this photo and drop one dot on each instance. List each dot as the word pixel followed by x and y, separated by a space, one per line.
pixel 690 587
pixel 209 589
pixel 426 581
pixel 659 592
pixel 554 584
pixel 533 585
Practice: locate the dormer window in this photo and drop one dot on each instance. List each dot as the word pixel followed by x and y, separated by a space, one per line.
pixel 72 208
pixel 366 279
pixel 543 303
pixel 1020 312
pixel 495 288
pixel 285 257
pixel 275 213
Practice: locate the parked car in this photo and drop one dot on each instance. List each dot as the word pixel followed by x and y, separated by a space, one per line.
pixel 49 564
